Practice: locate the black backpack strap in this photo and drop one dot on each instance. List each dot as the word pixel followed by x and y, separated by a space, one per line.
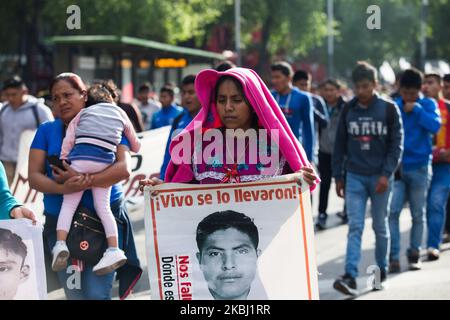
pixel 36 115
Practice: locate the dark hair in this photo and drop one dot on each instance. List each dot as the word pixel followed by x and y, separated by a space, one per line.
pixel 12 242
pixel 435 76
pixel 109 85
pixel 225 65
pixel 235 81
pixel 284 67
pixel 145 87
pixel 240 88
pixel 446 78
pixel 189 79
pixel 302 75
pixel 364 71
pixel 223 220
pixel 411 78
pixel 332 82
pixel 15 82
pixel 73 79
pixel 98 93
pixel 169 89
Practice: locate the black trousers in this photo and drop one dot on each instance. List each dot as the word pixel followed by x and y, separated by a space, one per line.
pixel 326 176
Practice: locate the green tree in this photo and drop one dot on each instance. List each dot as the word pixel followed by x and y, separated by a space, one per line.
pixel 289 27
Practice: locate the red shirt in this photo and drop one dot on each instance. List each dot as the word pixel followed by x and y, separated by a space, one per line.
pixel 442 138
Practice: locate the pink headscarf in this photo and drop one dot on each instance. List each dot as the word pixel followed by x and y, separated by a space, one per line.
pixel 269 114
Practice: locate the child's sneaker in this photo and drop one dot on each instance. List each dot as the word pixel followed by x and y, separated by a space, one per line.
pixel 60 256
pixel 112 259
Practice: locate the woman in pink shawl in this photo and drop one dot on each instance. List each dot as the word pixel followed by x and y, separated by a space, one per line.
pixel 231 100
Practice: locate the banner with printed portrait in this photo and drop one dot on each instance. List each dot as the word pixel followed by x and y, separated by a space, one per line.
pixel 239 241
pixel 22 268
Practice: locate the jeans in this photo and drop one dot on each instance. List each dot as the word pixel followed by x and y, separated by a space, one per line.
pixel 412 187
pixel 358 189
pixel 436 204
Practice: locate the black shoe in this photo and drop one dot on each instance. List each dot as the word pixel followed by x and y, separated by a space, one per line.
pixel 383 276
pixel 343 216
pixel 346 285
pixel 414 260
pixel 321 223
pixel 433 254
pixel 394 266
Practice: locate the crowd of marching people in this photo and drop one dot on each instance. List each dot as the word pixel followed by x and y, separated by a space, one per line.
pixel 392 147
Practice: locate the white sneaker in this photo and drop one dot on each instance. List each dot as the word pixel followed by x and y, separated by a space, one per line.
pixel 60 256
pixel 433 254
pixel 111 260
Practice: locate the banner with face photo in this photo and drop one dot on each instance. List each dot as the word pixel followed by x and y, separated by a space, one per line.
pixel 241 241
pixel 145 164
pixel 22 268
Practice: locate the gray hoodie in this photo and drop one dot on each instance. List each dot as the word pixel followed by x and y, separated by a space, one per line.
pixel 14 122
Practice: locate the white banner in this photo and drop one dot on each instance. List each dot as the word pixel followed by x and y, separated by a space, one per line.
pixel 145 164
pixel 22 261
pixel 242 241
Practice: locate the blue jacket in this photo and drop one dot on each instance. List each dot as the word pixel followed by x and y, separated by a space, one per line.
pixel 165 116
pixel 419 126
pixel 300 116
pixel 179 123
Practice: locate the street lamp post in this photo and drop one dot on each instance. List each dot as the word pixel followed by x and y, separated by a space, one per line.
pixel 237 20
pixel 423 34
pixel 330 15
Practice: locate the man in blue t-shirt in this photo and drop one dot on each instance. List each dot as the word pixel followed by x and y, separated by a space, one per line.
pixel 296 105
pixel 169 110
pixel 191 107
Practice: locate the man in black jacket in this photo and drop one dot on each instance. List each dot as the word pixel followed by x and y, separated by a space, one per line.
pixel 368 149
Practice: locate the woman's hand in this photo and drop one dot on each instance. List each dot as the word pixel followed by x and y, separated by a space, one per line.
pixel 62 176
pixel 78 183
pixel 22 212
pixel 150 182
pixel 308 175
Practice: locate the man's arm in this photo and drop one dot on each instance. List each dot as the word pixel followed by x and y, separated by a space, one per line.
pixel 7 201
pixel 307 119
pixel 340 147
pixel 321 115
pixel 429 115
pixel 394 141
pixel 166 160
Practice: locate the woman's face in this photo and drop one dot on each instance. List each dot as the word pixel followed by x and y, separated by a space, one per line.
pixel 232 108
pixel 67 100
